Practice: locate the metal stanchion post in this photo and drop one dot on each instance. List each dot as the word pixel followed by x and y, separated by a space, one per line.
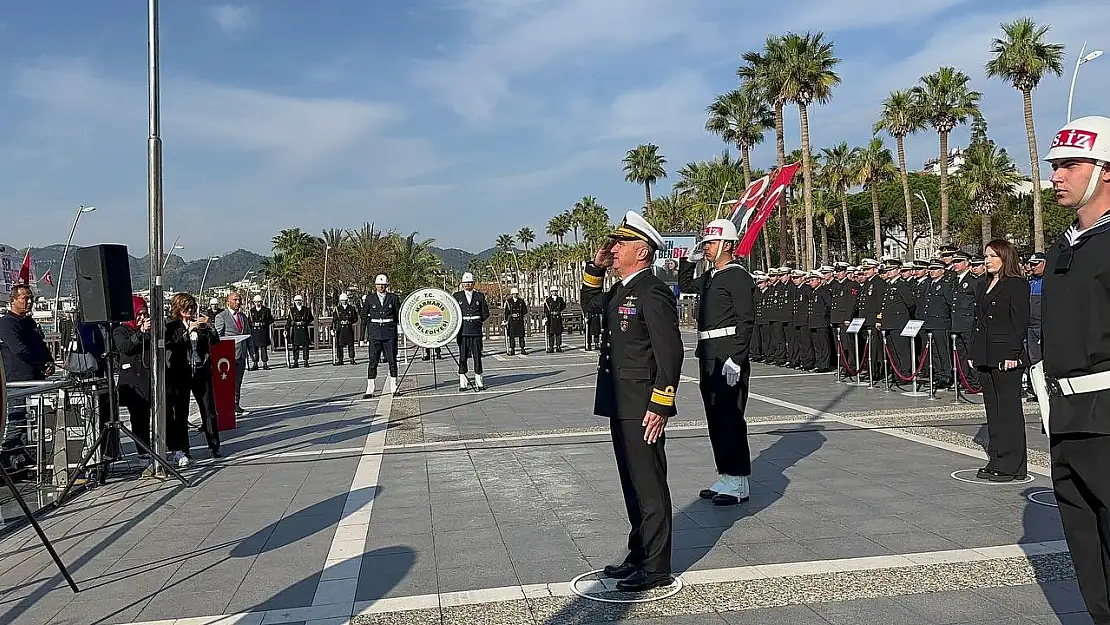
pixel 870 361
pixel 886 362
pixel 955 369
pixel 913 366
pixel 932 382
pixel 839 350
pixel 859 368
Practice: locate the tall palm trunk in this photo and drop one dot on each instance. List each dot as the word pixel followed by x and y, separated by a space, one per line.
pixel 780 145
pixel 824 243
pixel 647 194
pixel 807 186
pixel 797 242
pixel 847 228
pixel 906 195
pixel 1031 138
pixel 944 187
pixel 875 218
pixel 985 222
pixel 766 250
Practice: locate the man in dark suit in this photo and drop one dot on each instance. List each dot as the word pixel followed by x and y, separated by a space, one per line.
pixel 475 311
pixel 231 322
pixel 380 314
pixel 639 368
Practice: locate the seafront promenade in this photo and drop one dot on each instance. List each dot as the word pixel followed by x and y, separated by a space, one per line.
pixel 436 506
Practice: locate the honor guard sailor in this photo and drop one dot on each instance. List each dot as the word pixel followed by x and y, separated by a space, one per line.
pixel 638 371
pixel 262 320
pixel 475 311
pixel 299 321
pixel 726 319
pixel 344 321
pixel 553 308
pixel 1075 309
pixel 516 318
pixel 381 313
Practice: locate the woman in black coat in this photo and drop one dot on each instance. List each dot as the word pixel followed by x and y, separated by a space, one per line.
pixel 188 371
pixel 132 341
pixel 997 350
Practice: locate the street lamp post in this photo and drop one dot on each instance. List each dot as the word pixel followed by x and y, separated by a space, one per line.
pixel 324 285
pixel 81 210
pixel 205 276
pixel 156 215
pixel 1090 56
pixel 173 247
pixel 932 234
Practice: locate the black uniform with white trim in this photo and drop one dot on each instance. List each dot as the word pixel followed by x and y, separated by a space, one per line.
pixel 381 314
pixel 475 311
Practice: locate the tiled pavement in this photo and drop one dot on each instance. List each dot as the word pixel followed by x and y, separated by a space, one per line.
pixel 441 507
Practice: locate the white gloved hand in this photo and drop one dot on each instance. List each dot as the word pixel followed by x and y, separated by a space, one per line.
pixel 732 372
pixel 697 256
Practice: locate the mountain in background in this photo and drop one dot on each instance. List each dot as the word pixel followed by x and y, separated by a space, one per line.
pixel 183 275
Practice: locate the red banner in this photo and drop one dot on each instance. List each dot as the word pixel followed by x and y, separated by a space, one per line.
pixel 745 207
pixel 223 383
pixel 767 206
pixel 25 275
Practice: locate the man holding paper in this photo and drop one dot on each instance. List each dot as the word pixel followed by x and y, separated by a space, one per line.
pixel 232 323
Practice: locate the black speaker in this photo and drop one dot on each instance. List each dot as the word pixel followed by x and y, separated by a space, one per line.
pixel 104 284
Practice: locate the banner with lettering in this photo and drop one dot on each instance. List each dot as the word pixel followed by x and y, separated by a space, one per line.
pixel 675 246
pixel 766 207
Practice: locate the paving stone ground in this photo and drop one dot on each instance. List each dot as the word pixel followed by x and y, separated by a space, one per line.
pixel 436 506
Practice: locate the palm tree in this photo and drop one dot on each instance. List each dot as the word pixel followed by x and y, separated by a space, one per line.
pixel 808 77
pixel 644 165
pixel 1023 58
pixel 841 171
pixel 414 265
pixel 945 101
pixel 876 166
pixel 504 242
pixel 558 227
pixel 901 118
pixel 526 237
pixel 762 79
pixel 987 177
pixel 743 119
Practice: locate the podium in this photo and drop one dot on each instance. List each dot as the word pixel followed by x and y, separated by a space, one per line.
pixel 222 357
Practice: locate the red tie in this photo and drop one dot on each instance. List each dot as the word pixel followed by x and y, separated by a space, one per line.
pixel 238 322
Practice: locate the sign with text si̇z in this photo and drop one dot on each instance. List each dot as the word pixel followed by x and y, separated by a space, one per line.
pixel 675 246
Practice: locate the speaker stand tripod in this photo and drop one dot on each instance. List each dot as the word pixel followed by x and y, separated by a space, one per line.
pixel 114 423
pixel 38 529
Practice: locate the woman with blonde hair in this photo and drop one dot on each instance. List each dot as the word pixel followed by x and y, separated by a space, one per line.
pixel 189 339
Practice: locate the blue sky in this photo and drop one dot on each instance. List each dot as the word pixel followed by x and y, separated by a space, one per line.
pixel 456 118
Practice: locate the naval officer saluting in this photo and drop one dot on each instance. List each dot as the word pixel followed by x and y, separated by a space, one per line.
pixel 638 372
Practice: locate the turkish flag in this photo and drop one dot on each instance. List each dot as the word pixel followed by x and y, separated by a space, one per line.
pixel 222 356
pixel 746 207
pixel 25 270
pixel 48 278
pixel 767 206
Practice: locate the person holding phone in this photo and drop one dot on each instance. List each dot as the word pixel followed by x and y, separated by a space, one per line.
pixel 132 340
pixel 997 351
pixel 189 339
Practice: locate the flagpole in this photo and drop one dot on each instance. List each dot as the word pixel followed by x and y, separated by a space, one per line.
pixel 155 209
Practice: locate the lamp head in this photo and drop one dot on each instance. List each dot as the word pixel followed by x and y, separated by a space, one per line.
pixel 1094 54
pixel 87 209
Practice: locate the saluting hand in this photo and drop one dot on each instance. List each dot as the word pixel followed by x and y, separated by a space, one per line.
pixel 653 426
pixel 604 256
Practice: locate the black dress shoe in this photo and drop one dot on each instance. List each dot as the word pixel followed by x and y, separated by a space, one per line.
pixel 620 571
pixel 641 581
pixel 707 493
pixel 216 453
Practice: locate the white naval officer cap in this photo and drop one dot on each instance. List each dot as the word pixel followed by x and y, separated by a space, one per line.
pixel 636 228
pixel 514 291
pixel 468 277
pixel 257 298
pixel 214 301
pixel 381 279
pixel 342 297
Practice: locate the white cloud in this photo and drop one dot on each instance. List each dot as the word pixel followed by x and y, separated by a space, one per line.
pixel 233 18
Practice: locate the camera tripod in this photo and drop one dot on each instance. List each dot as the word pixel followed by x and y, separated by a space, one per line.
pixel 113 424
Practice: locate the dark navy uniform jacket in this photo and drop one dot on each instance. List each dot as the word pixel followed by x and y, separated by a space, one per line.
pixel 381 316
pixel 726 300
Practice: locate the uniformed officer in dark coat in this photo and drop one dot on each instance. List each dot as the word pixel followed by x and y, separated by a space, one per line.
pixel 775 352
pixel 516 317
pixel 800 347
pixel 475 311
pixel 593 331
pixel 299 321
pixel 937 318
pixel 381 312
pixel 638 372
pixel 553 308
pixel 262 320
pixel 962 302
pixel 1075 307
pixel 757 352
pixel 870 306
pixel 898 307
pixel 845 293
pixel 726 319
pixel 343 324
pixel 818 309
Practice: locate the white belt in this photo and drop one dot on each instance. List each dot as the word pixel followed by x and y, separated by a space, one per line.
pixel 719 332
pixel 381 321
pixel 1078 385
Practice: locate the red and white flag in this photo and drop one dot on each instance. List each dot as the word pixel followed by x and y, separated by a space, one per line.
pixel 767 206
pixel 746 206
pixel 25 275
pixel 48 278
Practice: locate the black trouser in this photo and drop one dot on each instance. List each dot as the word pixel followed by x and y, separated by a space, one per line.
pixel 593 338
pixel 428 354
pixel 472 346
pixel 513 340
pixel 724 412
pixel 785 328
pixel 297 349
pixel 379 347
pixel 138 407
pixel 874 354
pixel 1005 420
pixel 199 385
pixel 755 349
pixel 1081 476
pixel 350 351
pixel 1033 343
pixel 240 373
pixel 822 352
pixel 940 357
pixel 16 425
pixel 554 341
pixel 804 351
pixel 647 498
pixel 257 351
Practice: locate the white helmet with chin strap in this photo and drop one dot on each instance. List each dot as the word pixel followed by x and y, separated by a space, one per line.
pixel 1086 138
pixel 716 230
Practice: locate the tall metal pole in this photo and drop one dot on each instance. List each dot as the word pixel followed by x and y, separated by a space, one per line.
pixel 155 208
pixel 324 284
pixel 65 251
pixel 170 253
pixel 204 277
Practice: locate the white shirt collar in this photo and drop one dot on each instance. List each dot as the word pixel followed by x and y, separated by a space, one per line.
pixel 628 278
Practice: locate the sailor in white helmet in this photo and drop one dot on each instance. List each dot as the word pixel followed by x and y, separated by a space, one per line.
pixel 726 320
pixel 213 307
pixel 1075 306
pixel 475 311
pixel 343 325
pixel 381 313
pixel 262 321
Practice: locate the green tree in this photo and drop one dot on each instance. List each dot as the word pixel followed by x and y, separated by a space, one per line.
pixel 841 172
pixel 742 119
pixel 875 167
pixel 644 165
pixel 899 119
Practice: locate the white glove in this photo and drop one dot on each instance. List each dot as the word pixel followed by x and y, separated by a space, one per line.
pixel 732 372
pixel 697 256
